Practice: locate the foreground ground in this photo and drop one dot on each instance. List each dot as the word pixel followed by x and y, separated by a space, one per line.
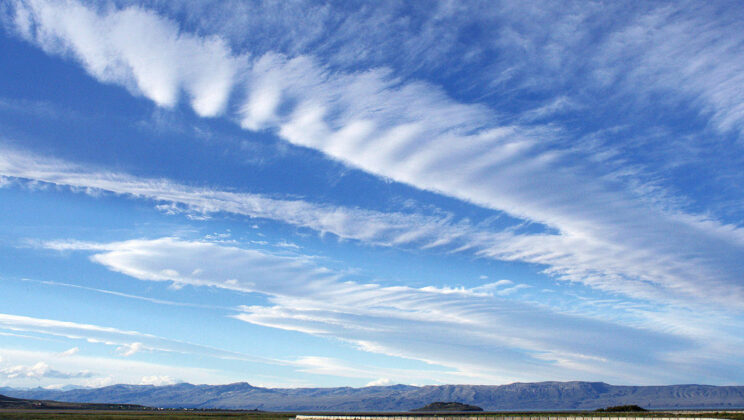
pixel 197 415
pixel 138 415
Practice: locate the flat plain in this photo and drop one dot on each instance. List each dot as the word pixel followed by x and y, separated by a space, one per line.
pixel 246 415
pixel 138 415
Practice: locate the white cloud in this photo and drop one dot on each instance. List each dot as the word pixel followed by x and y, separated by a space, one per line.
pixel 70 352
pixel 608 263
pixel 510 290
pixel 127 343
pixel 134 48
pixel 34 368
pixel 380 382
pixel 129 349
pixel 603 232
pixel 341 368
pixel 40 370
pixel 467 332
pixel 489 287
pixel 157 380
pixel 124 295
pixel 609 236
pixel 684 50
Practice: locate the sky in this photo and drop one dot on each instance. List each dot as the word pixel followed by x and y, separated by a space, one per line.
pixel 300 194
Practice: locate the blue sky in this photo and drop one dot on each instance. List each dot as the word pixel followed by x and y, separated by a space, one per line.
pixel 307 194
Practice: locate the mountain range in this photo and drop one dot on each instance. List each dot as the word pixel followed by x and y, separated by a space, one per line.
pixel 516 396
pixel 8 403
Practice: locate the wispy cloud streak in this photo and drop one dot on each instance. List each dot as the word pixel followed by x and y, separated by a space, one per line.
pixel 136 49
pixel 609 236
pixel 128 341
pixel 465 330
pixel 128 295
pixel 603 264
pixel 600 229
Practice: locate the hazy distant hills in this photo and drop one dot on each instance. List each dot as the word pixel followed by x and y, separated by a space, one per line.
pixel 518 396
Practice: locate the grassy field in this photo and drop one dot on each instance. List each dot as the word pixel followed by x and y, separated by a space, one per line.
pixel 138 415
pixel 242 415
